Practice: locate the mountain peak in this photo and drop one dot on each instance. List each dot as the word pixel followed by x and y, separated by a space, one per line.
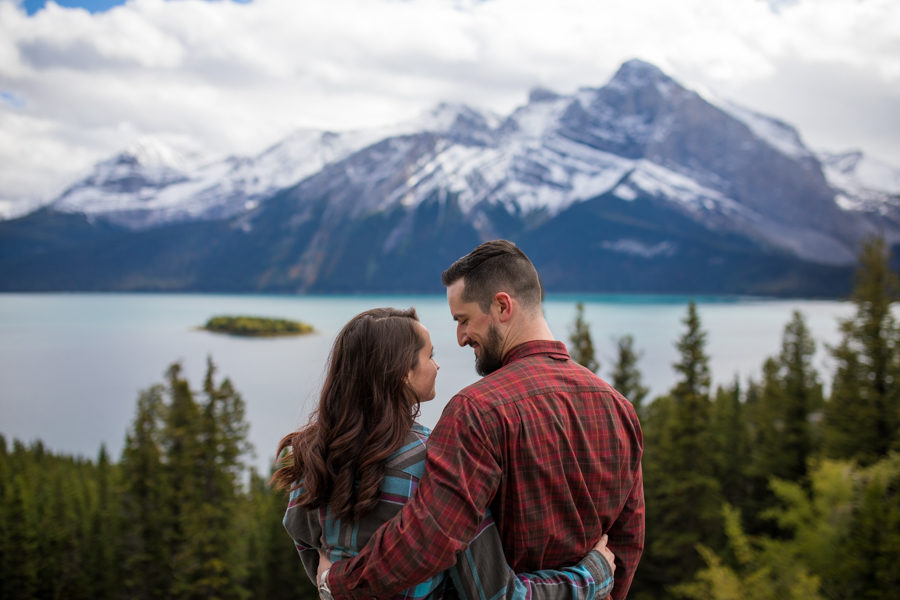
pixel 636 72
pixel 152 152
pixel 541 94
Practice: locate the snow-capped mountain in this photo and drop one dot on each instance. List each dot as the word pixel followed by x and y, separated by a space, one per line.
pixel 648 173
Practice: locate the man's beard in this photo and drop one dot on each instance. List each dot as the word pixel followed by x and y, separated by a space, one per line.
pixel 490 359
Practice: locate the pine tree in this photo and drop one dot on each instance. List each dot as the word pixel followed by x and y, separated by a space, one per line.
pixel 690 422
pixel 780 419
pixel 873 544
pixel 210 547
pixel 679 467
pixel 863 413
pixel 582 346
pixel 765 423
pixel 5 502
pixel 184 474
pixel 626 377
pixel 274 569
pixel 101 547
pixel 23 563
pixel 803 398
pixel 730 443
pixel 145 505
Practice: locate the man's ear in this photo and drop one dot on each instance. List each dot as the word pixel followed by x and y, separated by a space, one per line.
pixel 503 304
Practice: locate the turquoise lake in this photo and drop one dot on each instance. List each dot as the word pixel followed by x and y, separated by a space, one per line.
pixel 72 365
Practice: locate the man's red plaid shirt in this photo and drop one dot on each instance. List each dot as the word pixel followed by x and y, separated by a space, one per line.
pixel 553 450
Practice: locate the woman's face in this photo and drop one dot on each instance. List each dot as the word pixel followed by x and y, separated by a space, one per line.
pixel 421 377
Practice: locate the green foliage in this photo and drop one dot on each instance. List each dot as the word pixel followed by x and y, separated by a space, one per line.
pixel 729 443
pixel 49 504
pixel 682 494
pixel 173 519
pixel 256 326
pixel 846 528
pixel 863 414
pixel 757 570
pixel 276 572
pixel 626 377
pixel 581 347
pixel 781 413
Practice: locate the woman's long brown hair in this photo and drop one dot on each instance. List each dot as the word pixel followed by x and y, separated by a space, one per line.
pixel 365 411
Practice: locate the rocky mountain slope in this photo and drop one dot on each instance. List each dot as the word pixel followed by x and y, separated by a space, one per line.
pixel 638 185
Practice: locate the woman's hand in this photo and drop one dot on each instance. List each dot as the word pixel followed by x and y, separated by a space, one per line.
pixel 324 564
pixel 604 551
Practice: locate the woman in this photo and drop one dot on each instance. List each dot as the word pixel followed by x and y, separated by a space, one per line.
pixel 362 454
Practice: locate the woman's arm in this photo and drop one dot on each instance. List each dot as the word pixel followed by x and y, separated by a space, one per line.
pixel 476 573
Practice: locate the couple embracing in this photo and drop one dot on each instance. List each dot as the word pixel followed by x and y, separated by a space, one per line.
pixel 529 486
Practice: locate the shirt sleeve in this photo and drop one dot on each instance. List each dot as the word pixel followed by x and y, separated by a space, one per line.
pixel 442 517
pixel 476 574
pixel 305 532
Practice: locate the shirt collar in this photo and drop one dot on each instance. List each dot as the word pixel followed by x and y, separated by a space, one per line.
pixel 552 348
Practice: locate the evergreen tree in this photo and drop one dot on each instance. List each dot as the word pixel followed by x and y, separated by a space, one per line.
pixel 690 423
pixel 210 550
pixel 626 377
pixel 582 346
pixel 863 414
pixel 5 502
pixel 679 467
pixel 274 569
pixel 765 427
pixel 23 562
pixel 780 419
pixel 873 544
pixel 101 555
pixel 144 506
pixel 802 395
pixel 730 443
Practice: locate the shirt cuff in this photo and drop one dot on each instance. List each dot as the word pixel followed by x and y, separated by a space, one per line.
pixel 601 571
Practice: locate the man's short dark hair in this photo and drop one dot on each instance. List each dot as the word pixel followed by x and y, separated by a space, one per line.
pixel 496 266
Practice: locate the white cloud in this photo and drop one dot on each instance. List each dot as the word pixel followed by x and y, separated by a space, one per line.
pixel 233 78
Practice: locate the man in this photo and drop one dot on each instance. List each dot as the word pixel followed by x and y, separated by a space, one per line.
pixel 549 447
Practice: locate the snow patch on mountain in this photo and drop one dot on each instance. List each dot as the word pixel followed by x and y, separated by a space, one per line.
pixel 637 248
pixel 151 183
pixel 862 183
pixel 776 133
pixel 664 183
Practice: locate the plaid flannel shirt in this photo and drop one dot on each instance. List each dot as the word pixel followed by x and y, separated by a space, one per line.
pixel 481 571
pixel 549 447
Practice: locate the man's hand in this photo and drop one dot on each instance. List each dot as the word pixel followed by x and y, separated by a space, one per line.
pixel 324 564
pixel 600 547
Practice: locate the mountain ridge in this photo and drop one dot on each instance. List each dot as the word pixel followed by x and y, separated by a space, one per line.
pixel 638 150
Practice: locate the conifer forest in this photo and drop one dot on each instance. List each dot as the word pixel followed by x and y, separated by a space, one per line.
pixel 786 487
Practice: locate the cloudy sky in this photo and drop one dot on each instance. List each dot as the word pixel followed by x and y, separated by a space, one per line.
pixel 81 80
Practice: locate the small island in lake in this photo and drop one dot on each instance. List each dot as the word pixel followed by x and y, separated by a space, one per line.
pixel 256 326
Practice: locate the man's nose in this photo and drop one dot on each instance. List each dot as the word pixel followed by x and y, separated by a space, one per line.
pixel 461 338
